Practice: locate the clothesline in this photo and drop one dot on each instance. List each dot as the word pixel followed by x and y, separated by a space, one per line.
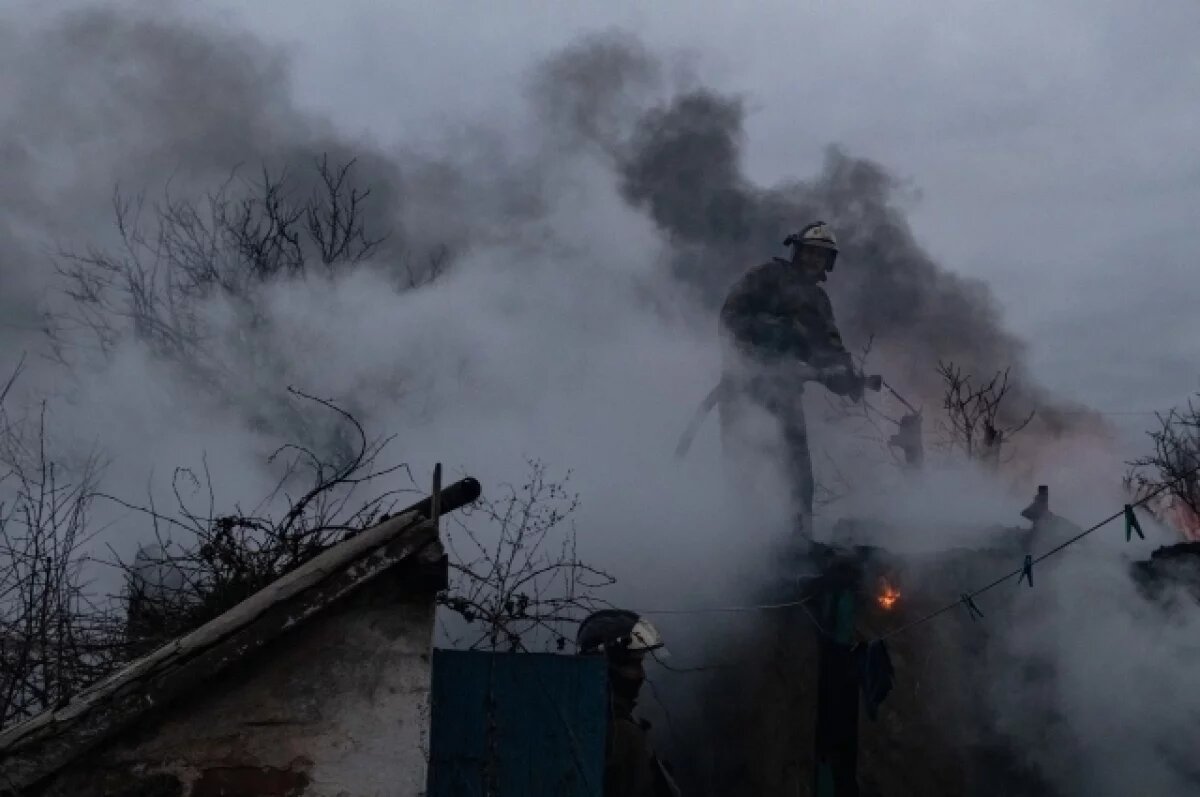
pixel 965 599
pixel 729 609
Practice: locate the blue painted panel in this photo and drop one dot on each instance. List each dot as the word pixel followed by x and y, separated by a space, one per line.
pixel 517 725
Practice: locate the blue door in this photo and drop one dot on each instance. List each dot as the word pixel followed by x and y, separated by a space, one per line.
pixel 517 725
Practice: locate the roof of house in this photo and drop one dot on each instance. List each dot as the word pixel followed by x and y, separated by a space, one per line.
pixel 40 746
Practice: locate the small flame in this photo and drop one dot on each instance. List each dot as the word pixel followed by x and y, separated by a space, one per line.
pixel 888 595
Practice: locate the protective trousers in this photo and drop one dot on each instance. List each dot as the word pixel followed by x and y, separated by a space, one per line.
pixel 781 400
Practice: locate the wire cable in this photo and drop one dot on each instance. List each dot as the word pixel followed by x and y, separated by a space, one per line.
pixel 967 596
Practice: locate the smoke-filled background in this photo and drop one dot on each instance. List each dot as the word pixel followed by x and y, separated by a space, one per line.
pixel 1010 190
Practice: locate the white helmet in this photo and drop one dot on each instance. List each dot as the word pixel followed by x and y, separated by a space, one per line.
pixel 618 631
pixel 818 235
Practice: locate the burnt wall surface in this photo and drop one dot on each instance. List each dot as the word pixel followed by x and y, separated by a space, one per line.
pixel 747 725
pixel 337 706
pixel 751 728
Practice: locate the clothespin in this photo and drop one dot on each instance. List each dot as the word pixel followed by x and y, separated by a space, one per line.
pixel 972 609
pixel 1027 570
pixel 1131 524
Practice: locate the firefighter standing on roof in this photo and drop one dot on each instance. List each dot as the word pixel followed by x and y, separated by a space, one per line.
pixel 779 319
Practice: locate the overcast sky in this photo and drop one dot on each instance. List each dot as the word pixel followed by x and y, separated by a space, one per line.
pixel 1051 146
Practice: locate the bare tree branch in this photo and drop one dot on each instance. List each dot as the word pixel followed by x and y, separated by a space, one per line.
pixel 55 637
pixel 223 558
pixel 522 588
pixel 1172 468
pixel 973 411
pixel 181 252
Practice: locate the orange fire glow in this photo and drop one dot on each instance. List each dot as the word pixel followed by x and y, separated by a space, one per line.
pixel 1185 520
pixel 888 595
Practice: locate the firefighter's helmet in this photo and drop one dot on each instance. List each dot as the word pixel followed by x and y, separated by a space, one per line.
pixel 618 631
pixel 817 235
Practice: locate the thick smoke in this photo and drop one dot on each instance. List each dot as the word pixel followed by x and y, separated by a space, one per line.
pixel 1104 681
pixel 587 94
pixel 589 241
pixel 512 354
pixel 101 100
pixel 679 160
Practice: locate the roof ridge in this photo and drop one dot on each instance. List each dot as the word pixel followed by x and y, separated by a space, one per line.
pixel 43 744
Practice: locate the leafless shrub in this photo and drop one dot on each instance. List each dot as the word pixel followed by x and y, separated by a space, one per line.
pixel 187 281
pixel 520 589
pixel 217 559
pixel 55 635
pixel 1172 469
pixel 516 591
pixel 180 252
pixel 523 584
pixel 420 271
pixel 973 411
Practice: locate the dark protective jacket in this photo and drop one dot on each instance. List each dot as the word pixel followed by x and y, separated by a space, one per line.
pixel 775 315
pixel 632 768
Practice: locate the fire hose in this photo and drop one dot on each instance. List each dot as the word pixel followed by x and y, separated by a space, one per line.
pixel 725 386
pixel 899 398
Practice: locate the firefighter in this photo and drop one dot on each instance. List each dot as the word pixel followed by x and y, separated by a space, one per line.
pixel 778 327
pixel 631 766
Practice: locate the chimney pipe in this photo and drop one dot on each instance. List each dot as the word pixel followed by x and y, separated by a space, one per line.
pixel 1040 507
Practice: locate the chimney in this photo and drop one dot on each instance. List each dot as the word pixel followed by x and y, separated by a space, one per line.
pixel 1040 507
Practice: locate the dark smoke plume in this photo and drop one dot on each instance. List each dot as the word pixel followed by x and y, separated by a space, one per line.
pixel 152 101
pixel 680 161
pixel 683 166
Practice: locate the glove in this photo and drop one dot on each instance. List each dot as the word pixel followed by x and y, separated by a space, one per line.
pixel 845 382
pixel 857 385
